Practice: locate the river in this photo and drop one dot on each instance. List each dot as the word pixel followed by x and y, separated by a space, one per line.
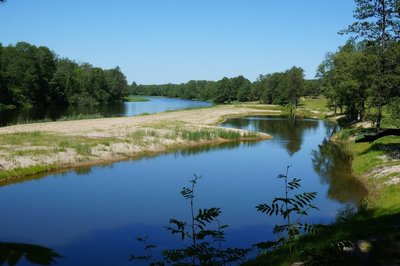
pixel 92 215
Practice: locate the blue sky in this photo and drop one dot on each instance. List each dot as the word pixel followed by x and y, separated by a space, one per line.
pixel 161 41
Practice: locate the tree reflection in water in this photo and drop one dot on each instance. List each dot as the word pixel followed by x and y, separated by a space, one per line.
pixel 290 130
pixel 333 163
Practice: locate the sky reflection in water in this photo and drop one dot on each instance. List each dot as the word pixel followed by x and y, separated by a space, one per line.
pixel 91 215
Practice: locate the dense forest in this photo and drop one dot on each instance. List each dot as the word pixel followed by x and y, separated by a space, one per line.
pixel 278 88
pixel 31 76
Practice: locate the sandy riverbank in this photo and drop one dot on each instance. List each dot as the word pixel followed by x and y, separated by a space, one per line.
pixel 33 148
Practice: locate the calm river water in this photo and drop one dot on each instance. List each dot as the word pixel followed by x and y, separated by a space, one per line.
pixel 92 215
pixel 155 105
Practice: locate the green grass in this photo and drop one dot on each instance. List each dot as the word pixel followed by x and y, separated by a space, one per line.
pixel 369 155
pixel 25 171
pixel 318 103
pixel 135 99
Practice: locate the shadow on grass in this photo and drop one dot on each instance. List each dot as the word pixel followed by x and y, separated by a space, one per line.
pixel 388 148
pixel 367 238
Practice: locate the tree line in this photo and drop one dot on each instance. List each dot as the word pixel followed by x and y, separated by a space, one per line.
pixel 32 76
pixel 277 88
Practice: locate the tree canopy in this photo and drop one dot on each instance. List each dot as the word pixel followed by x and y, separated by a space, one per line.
pixel 378 25
pixel 31 75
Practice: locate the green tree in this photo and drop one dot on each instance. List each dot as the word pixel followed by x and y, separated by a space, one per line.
pixel 222 91
pixel 243 89
pixel 378 22
pixel 346 77
pixel 294 85
pixel 31 75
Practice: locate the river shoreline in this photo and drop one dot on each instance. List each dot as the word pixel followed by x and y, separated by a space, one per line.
pixel 31 149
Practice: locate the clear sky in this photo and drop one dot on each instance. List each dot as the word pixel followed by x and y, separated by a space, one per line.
pixel 161 41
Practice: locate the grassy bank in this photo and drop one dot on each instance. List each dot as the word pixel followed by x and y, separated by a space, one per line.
pixel 35 148
pixel 370 236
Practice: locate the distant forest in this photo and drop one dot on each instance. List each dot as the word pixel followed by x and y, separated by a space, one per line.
pixel 36 76
pixel 32 76
pixel 278 88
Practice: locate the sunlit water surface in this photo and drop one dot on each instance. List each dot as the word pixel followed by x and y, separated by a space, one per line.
pixel 92 215
pixel 154 105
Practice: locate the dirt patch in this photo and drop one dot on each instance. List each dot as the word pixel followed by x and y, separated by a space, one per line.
pixel 385 171
pixel 392 181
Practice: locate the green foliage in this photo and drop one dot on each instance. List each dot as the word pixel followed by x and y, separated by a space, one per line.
pixel 194 89
pixel 394 112
pixel 201 249
pixel 204 244
pixel 277 88
pixel 12 253
pixel 287 207
pixel 283 87
pixel 31 75
pixel 346 76
pixel 378 24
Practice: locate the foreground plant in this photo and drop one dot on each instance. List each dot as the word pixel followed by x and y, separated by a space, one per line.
pixel 204 243
pixel 292 210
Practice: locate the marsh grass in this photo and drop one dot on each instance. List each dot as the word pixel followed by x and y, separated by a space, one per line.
pixel 214 133
pixel 80 117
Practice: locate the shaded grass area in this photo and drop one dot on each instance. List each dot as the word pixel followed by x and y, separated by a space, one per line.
pixel 63 118
pixel 371 233
pixel 371 155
